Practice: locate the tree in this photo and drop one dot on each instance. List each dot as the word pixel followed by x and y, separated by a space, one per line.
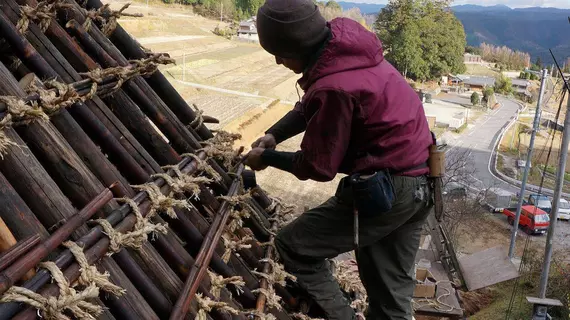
pixel 333 5
pixel 488 97
pixel 475 100
pixel 538 62
pixel 504 85
pixel 422 38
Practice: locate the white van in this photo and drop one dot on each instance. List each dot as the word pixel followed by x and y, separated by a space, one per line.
pixel 564 210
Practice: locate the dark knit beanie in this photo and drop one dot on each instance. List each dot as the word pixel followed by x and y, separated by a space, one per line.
pixel 291 28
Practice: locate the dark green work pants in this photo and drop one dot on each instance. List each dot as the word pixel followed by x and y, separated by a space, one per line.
pixel 388 245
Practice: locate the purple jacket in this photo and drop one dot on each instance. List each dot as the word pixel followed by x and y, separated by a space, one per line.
pixel 361 114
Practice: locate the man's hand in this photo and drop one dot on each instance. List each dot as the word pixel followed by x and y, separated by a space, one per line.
pixel 253 159
pixel 265 142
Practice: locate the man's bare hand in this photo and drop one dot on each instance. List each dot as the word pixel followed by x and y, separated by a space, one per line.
pixel 265 142
pixel 253 159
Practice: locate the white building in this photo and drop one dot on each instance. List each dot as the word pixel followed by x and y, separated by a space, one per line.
pixel 248 30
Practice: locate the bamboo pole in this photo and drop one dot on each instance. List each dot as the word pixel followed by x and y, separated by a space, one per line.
pixel 12 250
pixel 202 260
pixel 13 273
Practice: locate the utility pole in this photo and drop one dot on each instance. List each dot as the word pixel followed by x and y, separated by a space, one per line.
pixel 535 127
pixel 221 10
pixel 555 202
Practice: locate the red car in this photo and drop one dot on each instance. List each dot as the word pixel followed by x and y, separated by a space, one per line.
pixel 533 220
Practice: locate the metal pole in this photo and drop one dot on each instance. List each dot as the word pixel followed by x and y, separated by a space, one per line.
pixel 527 164
pixel 555 202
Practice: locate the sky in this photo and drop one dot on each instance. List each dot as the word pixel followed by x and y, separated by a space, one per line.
pixel 511 3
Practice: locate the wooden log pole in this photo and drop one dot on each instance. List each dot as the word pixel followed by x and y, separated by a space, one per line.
pixel 72 131
pixel 57 156
pixel 138 89
pixel 133 50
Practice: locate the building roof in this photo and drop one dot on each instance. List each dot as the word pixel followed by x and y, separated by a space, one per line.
pixel 476 80
pixel 521 82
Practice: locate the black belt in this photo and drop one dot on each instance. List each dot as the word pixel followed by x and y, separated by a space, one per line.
pixel 345 182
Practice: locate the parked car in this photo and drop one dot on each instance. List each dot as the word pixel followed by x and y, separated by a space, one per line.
pixel 533 220
pixel 541 201
pixel 497 199
pixel 564 210
pixel 454 190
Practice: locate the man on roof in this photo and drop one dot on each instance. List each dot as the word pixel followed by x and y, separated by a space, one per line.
pixel 362 119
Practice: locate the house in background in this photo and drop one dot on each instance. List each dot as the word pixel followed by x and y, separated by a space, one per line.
pixel 475 82
pixel 521 86
pixel 248 30
pixel 472 58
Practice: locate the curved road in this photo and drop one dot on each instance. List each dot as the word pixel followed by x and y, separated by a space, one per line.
pixel 480 141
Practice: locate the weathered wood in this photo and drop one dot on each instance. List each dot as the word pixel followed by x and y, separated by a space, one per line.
pixel 57 156
pixel 70 129
pixel 35 186
pixel 133 50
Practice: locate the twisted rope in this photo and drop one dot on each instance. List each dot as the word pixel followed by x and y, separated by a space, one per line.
pixel 203 166
pixel 218 282
pixel 143 67
pixel 221 147
pixel 183 183
pixel 160 202
pixel 64 95
pixel 134 239
pixel 349 280
pixel 277 275
pixel 42 14
pixel 271 298
pixel 107 18
pixel 199 120
pixel 259 315
pixel 54 308
pixel 234 245
pixel 206 305
pixel 90 274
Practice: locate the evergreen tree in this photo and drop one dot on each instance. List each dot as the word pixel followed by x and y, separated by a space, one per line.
pixel 422 38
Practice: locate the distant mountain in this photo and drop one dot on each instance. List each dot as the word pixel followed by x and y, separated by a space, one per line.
pixel 533 30
pixel 365 8
pixel 476 8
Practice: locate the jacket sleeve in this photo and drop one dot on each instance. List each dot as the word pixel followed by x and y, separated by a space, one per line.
pixel 290 125
pixel 327 136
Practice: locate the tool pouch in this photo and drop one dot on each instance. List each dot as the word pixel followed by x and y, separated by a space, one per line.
pixel 436 163
pixel 373 194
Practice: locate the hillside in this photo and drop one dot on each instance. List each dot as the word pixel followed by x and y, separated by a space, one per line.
pixel 533 30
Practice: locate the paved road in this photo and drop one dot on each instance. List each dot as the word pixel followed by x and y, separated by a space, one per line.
pixel 480 140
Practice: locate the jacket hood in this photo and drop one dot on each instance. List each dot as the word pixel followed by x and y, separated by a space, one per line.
pixel 350 47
